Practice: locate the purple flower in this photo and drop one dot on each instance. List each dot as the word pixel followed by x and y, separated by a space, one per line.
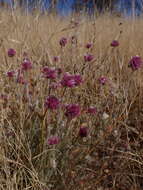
pixel 88 57
pixel 63 41
pixel 114 43
pixel 49 73
pixel 11 52
pixel 53 140
pixel 89 45
pixel 56 59
pixel 102 80
pixel 52 103
pixel 26 65
pixel 135 63
pixel 83 132
pixel 92 110
pixel 10 74
pixel 70 81
pixel 72 111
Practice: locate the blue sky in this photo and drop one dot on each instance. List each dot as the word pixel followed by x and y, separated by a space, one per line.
pixel 65 7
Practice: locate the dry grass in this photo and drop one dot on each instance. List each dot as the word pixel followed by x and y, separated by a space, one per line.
pixel 111 156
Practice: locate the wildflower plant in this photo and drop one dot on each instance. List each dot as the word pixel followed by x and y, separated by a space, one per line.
pixel 114 43
pixel 52 103
pixel 11 52
pixel 135 63
pixel 63 41
pixel 60 127
pixel 88 57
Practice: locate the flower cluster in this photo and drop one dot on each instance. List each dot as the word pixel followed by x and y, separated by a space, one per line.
pixel 88 57
pixel 89 45
pixel 135 63
pixel 102 80
pixel 53 140
pixel 63 41
pixel 114 43
pixel 11 52
pixel 83 132
pixel 10 74
pixel 72 111
pixel 26 65
pixel 69 80
pixel 49 73
pixel 52 102
pixel 56 59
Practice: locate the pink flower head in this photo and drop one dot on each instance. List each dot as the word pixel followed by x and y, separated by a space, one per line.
pixel 49 73
pixel 68 80
pixel 10 74
pixel 52 103
pixel 102 80
pixel 26 65
pixel 83 132
pixel 114 43
pixel 88 57
pixel 56 59
pixel 92 110
pixel 72 111
pixel 89 45
pixel 63 41
pixel 135 63
pixel 71 80
pixel 53 140
pixel 11 52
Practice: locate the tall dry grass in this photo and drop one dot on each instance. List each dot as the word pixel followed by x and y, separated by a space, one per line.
pixel 111 156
